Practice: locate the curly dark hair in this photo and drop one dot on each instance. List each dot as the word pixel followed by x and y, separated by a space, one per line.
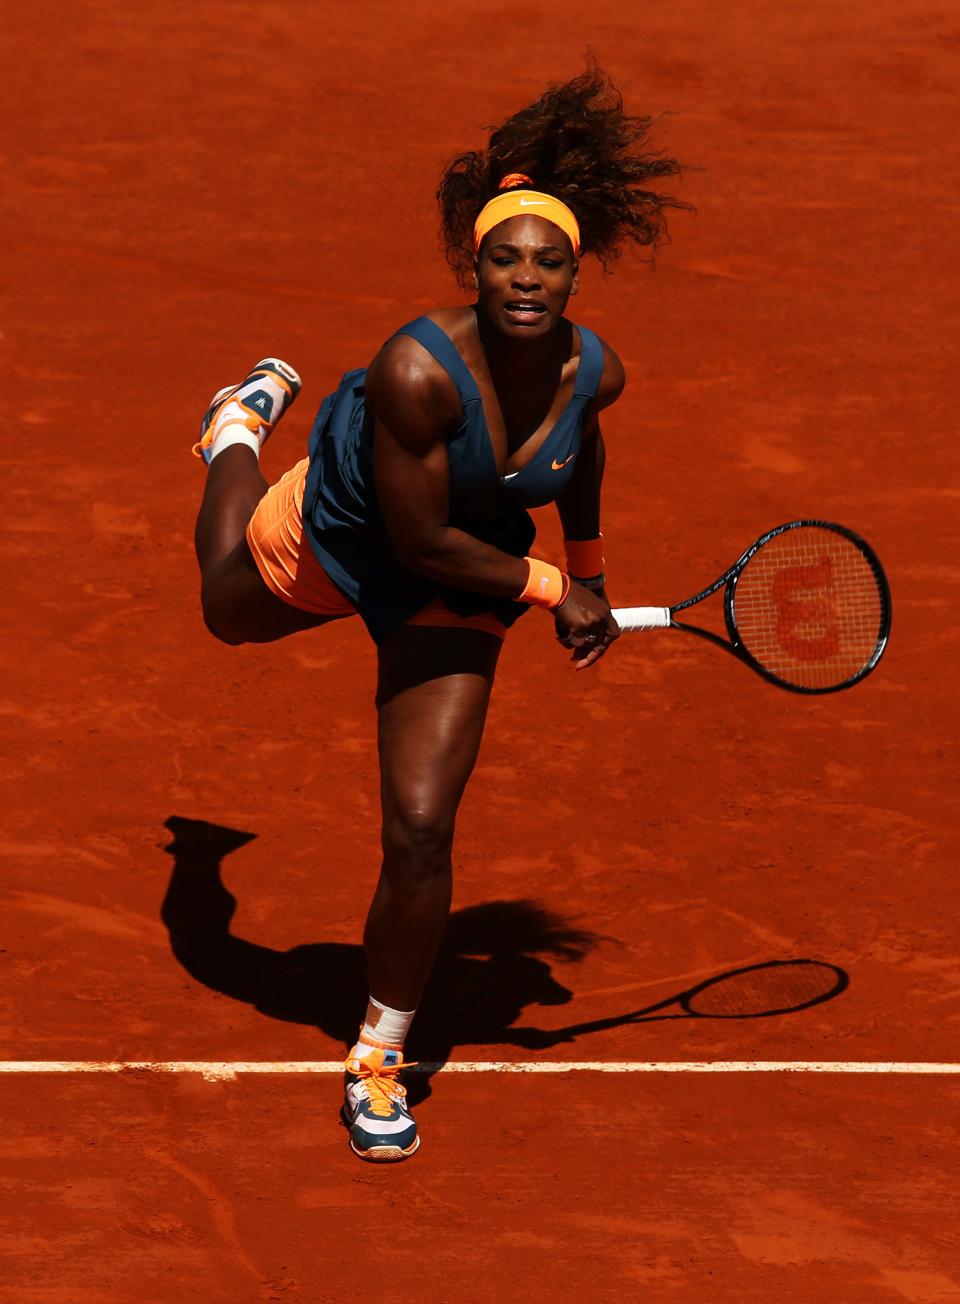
pixel 576 143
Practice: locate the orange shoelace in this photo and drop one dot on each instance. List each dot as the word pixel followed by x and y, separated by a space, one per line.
pixel 380 1084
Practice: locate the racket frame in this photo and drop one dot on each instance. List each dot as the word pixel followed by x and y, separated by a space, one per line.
pixel 729 579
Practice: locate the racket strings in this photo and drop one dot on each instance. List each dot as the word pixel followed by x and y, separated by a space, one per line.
pixel 809 608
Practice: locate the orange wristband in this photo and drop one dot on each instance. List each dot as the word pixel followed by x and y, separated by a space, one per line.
pixel 546 585
pixel 584 556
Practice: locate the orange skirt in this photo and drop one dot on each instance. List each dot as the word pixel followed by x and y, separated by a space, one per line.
pixel 292 572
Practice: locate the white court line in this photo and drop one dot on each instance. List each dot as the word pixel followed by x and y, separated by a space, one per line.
pixel 225 1070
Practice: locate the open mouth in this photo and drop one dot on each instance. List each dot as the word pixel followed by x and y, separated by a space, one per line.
pixel 524 310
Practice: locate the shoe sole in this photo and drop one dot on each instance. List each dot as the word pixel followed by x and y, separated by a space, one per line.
pixel 386 1154
pixel 383 1154
pixel 281 369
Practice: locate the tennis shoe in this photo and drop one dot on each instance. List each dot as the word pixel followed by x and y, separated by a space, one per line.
pixel 375 1111
pixel 257 403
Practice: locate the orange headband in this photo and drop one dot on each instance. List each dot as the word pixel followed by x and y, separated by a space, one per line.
pixel 516 203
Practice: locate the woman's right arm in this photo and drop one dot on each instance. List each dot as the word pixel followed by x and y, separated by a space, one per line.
pixel 415 409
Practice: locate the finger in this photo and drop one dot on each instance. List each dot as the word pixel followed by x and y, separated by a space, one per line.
pixel 593 651
pixel 589 656
pixel 590 660
pixel 595 636
pixel 588 639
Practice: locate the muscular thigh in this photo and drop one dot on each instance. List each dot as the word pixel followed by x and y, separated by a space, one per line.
pixel 432 694
pixel 239 608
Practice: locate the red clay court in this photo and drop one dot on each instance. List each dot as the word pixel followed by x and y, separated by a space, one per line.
pixel 189 188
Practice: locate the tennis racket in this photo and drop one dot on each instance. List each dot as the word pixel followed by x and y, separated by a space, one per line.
pixel 807 606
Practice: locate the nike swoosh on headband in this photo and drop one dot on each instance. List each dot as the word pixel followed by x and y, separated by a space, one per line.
pixel 510 202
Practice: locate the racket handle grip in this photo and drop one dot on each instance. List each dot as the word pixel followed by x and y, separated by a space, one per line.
pixel 629 618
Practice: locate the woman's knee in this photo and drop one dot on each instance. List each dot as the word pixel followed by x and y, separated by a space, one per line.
pixel 417 843
pixel 218 618
pixel 222 634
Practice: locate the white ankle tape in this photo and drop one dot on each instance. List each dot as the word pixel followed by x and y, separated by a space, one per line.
pixel 384 1024
pixel 234 433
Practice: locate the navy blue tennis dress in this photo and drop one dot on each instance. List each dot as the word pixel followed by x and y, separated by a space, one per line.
pixel 343 520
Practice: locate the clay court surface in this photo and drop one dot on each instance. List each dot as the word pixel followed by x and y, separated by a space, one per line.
pixel 187 188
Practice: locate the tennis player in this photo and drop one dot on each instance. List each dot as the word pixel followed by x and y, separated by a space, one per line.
pixel 411 510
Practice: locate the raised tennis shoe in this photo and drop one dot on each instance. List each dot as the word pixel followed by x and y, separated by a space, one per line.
pixel 257 403
pixel 375 1111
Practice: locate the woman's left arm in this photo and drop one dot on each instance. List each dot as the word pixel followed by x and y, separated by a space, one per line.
pixel 579 503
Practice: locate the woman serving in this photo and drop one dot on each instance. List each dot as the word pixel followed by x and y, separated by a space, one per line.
pixel 411 511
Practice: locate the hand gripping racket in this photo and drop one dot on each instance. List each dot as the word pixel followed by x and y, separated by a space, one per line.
pixel 807 606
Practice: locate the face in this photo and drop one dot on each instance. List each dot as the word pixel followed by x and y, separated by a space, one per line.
pixel 524 275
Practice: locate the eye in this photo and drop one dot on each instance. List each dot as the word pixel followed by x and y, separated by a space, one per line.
pixel 501 260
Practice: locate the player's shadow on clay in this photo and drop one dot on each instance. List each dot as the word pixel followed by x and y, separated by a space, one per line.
pixel 487 971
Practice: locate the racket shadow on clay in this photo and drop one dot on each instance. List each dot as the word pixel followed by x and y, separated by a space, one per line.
pixel 755 991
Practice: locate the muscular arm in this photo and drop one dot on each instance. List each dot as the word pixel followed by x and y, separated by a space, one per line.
pixel 579 504
pixel 415 408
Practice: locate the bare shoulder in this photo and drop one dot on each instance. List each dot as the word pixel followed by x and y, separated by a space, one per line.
pixel 612 381
pixel 405 383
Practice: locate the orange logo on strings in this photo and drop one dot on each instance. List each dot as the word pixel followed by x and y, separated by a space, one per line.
pixel 806 614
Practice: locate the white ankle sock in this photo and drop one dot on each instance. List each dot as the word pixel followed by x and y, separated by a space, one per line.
pixel 234 433
pixel 383 1025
